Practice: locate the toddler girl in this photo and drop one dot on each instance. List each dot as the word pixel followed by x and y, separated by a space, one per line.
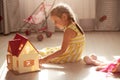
pixel 73 39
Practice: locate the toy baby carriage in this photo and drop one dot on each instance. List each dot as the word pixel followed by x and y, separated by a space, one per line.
pixel 37 21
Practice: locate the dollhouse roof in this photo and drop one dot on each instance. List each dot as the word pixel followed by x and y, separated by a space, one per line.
pixel 16 45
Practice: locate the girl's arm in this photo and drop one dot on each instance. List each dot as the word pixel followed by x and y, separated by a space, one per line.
pixel 68 35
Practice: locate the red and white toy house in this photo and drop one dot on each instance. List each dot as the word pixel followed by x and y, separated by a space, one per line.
pixel 22 56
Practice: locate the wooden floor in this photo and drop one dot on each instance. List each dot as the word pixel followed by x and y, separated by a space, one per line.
pixel 104 44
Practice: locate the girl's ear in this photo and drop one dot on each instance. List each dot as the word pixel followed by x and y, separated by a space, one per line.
pixel 64 16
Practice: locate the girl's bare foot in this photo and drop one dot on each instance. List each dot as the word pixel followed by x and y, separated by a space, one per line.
pixel 90 61
pixel 87 60
pixel 94 57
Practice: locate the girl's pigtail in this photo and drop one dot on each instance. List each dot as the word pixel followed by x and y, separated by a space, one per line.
pixel 78 27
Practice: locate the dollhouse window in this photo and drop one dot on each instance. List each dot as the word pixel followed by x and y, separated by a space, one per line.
pixel 9 58
pixel 9 48
pixel 28 63
pixel 20 46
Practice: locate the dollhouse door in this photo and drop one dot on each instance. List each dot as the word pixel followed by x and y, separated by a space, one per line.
pixel 9 62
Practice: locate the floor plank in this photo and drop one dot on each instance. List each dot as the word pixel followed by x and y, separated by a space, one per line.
pixel 103 44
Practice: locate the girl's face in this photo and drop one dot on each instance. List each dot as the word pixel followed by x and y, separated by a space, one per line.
pixel 59 22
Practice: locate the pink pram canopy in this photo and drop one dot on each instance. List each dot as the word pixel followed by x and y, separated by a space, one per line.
pixel 39 16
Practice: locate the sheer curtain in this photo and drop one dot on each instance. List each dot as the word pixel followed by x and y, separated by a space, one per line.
pixel 11 15
pixel 1 16
pixel 17 10
pixel 86 13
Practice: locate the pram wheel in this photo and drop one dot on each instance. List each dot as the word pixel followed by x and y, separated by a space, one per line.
pixel 48 34
pixel 38 20
pixel 40 37
pixel 27 32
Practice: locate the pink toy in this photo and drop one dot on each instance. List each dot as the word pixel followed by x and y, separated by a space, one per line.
pixel 113 67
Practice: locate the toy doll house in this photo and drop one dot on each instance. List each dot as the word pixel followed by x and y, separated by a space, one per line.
pixel 22 56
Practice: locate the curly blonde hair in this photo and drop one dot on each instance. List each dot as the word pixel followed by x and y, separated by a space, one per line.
pixel 62 8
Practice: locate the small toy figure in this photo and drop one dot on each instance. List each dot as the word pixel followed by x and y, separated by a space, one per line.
pixel 22 56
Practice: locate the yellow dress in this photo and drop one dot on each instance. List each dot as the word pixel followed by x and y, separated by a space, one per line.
pixel 74 50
